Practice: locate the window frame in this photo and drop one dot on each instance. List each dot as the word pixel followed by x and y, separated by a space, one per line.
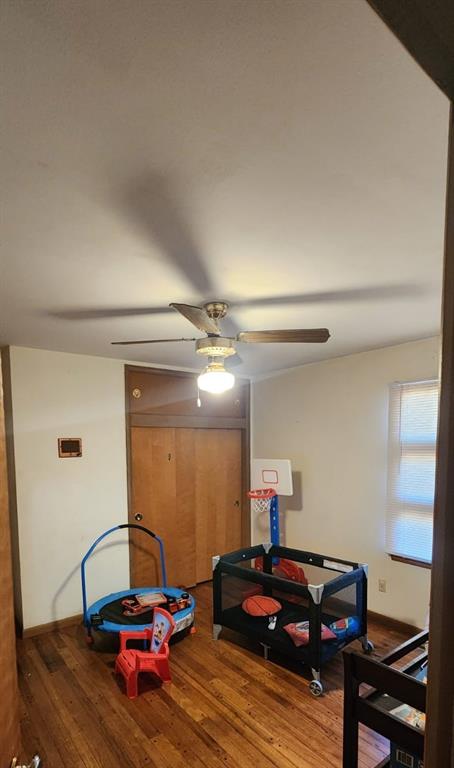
pixel 394 455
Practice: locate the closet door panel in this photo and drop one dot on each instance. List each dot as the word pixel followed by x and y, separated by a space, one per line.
pixel 218 495
pixel 162 495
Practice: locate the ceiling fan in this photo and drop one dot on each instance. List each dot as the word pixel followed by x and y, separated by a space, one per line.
pixel 216 347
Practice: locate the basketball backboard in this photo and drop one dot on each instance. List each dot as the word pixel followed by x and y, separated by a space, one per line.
pixel 272 473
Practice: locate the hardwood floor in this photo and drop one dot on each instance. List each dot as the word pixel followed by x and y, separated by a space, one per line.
pixel 225 707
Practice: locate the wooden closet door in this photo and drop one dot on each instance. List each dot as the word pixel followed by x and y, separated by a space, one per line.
pixel 186 485
pixel 218 494
pixel 162 461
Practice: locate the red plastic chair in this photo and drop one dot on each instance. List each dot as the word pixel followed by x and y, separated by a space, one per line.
pixel 155 659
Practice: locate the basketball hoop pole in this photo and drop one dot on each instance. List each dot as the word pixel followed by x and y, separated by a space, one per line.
pixel 274 521
pixel 266 499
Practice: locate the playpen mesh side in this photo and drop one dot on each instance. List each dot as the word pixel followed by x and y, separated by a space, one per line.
pixel 316 575
pixel 298 572
pixel 235 589
pixel 342 604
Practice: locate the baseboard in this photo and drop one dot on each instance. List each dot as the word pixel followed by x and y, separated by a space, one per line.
pixel 52 626
pixel 70 621
pixel 394 624
pixel 344 609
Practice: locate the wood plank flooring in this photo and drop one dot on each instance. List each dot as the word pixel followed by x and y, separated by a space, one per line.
pixel 225 707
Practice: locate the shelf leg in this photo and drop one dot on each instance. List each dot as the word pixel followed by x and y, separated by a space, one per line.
pixel 266 650
pixel 216 631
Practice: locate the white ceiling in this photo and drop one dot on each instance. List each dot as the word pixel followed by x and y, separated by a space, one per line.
pixel 190 150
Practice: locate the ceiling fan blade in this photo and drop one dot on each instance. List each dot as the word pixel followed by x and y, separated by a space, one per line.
pixel 198 317
pixel 302 335
pixel 157 206
pixel 96 313
pixel 339 296
pixel 149 341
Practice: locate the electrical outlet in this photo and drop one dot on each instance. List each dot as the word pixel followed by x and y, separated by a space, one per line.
pixel 382 585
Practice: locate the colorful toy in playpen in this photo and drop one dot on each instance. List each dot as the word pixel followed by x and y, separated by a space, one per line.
pixel 135 607
pixel 154 659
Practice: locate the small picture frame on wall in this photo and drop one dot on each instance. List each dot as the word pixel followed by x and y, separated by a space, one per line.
pixel 69 447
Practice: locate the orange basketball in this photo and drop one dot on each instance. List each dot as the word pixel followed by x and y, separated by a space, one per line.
pixel 260 605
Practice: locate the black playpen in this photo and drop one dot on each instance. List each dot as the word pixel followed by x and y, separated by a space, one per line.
pixel 329 593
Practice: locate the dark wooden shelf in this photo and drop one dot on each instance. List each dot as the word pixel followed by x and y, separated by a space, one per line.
pixel 373 709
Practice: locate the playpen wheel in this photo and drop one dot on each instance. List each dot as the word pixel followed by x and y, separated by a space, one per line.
pixel 368 647
pixel 316 688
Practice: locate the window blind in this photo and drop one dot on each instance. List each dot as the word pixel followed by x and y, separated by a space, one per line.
pixel 413 416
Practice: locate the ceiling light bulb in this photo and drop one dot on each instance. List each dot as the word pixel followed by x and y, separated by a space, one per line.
pixel 215 379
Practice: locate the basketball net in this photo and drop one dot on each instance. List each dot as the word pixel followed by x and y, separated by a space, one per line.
pixel 261 499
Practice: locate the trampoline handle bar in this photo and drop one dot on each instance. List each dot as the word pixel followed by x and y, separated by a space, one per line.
pixel 103 536
pixel 140 528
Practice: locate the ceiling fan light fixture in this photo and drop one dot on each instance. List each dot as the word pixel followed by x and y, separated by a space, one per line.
pixel 215 379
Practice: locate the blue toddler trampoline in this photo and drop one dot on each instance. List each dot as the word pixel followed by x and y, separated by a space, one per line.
pixel 112 612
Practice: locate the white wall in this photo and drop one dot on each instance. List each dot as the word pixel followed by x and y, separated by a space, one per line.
pixel 63 504
pixel 331 420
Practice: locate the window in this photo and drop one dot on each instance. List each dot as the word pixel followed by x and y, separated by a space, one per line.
pixel 411 471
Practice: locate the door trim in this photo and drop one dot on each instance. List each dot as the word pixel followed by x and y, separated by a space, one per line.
pixel 196 422
pixel 425 30
pixel 9 705
pixel 439 742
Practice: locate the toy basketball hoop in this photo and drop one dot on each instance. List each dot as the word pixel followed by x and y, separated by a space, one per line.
pixel 261 499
